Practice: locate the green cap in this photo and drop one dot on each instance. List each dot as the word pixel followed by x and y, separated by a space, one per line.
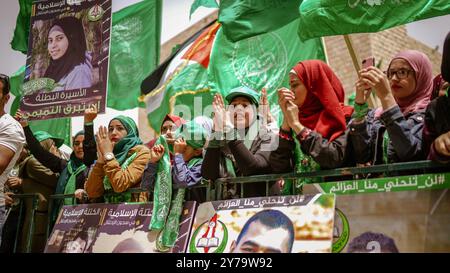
pixel 193 133
pixel 243 91
pixel 42 135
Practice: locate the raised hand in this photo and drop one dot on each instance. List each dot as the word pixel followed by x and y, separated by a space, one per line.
pixel 156 153
pixel 90 114
pixel 19 116
pixel 375 78
pixel 179 147
pixel 220 113
pixel 104 144
pixel 264 107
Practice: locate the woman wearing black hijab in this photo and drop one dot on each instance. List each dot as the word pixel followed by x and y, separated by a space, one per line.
pixel 436 134
pixel 70 63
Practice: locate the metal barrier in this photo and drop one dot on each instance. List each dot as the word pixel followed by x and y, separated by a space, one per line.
pixel 35 199
pixel 214 189
pixel 386 169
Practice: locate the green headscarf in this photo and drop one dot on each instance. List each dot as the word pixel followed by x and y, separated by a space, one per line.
pixel 42 135
pixel 132 139
pixel 120 151
pixel 193 133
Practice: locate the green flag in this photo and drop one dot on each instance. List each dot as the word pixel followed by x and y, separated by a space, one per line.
pixel 204 3
pixel 247 18
pixel 334 17
pixel 183 88
pixel 22 30
pixel 260 61
pixel 135 43
pixel 60 127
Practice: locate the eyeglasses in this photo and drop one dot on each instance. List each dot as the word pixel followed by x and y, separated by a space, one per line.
pixel 5 80
pixel 401 73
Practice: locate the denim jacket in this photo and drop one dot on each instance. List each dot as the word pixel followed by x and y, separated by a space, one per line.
pixel 392 136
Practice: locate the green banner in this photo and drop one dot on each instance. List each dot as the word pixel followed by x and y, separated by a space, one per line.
pixel 334 17
pixel 390 184
pixel 135 40
pixel 247 18
pixel 22 30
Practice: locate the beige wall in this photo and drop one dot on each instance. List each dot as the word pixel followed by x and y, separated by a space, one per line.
pixel 382 45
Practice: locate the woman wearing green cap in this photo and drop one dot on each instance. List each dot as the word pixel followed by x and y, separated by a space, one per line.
pixel 187 161
pixel 121 161
pixel 73 172
pixel 239 144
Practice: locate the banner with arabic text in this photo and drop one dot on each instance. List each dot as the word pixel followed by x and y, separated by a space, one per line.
pixel 67 60
pixel 112 228
pixel 397 214
pixel 281 224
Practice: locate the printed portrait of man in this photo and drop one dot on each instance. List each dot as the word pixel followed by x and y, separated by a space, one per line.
pixel 268 231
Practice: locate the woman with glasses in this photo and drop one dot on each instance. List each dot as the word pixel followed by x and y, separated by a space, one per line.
pixel 393 132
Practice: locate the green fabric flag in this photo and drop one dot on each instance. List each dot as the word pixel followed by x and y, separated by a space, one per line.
pixel 247 18
pixel 260 61
pixel 162 195
pixel 184 89
pixel 135 45
pixel 334 17
pixel 22 30
pixel 204 3
pixel 60 128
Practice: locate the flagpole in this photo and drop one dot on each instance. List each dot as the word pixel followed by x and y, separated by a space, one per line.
pixel 325 50
pixel 355 59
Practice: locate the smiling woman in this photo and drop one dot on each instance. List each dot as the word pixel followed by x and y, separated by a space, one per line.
pixel 70 62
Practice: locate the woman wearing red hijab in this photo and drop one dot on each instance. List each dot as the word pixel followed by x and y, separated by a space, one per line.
pixel 169 125
pixel 314 112
pixel 393 132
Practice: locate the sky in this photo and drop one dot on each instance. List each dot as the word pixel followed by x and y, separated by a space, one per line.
pixel 176 19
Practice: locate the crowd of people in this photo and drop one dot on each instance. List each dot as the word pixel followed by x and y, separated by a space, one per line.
pixel 318 131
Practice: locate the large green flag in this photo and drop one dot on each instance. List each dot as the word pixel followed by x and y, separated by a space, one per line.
pixel 202 3
pixel 22 30
pixel 60 127
pixel 135 44
pixel 260 61
pixel 247 18
pixel 334 17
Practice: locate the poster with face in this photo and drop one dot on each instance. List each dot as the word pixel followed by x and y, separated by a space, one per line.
pixel 387 215
pixel 113 228
pixel 284 224
pixel 67 60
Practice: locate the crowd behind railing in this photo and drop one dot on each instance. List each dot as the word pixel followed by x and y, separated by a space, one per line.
pixel 320 139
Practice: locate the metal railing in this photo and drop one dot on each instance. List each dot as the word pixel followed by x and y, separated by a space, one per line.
pixel 214 189
pixel 34 205
pixel 394 169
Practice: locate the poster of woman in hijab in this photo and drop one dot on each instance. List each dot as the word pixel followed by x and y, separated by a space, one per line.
pixel 67 62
